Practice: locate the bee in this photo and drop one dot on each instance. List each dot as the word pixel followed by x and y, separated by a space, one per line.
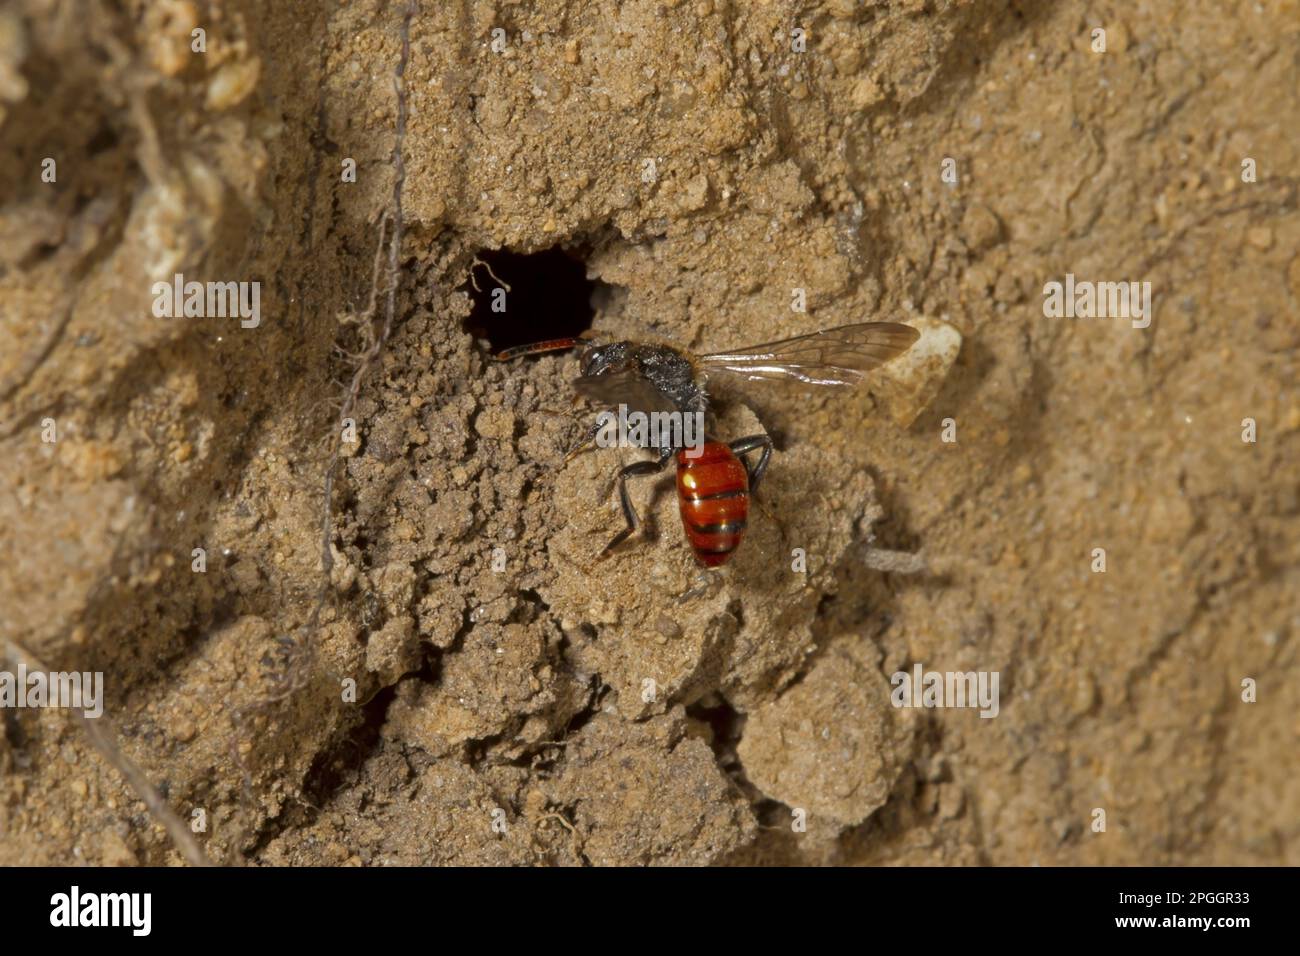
pixel 716 481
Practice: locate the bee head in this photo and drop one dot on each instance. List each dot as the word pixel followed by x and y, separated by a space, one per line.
pixel 598 358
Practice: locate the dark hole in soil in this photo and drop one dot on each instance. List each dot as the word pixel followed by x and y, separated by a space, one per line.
pixel 103 140
pixel 548 297
pixel 726 722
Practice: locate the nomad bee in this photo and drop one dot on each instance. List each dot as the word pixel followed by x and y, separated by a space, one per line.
pixel 715 481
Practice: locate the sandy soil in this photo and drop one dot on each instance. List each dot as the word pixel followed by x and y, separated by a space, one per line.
pixel 517 701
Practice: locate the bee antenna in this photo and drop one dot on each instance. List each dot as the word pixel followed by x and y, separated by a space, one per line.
pixel 536 348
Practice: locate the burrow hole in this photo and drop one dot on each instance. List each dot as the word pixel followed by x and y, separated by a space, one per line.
pixel 522 298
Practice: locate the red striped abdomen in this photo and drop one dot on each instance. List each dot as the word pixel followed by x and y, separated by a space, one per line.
pixel 713 494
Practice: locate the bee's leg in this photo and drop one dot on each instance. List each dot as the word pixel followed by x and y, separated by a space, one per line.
pixel 588 442
pixel 743 446
pixel 635 470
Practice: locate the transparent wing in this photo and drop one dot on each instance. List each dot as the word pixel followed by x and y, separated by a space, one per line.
pixel 837 357
pixel 622 387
